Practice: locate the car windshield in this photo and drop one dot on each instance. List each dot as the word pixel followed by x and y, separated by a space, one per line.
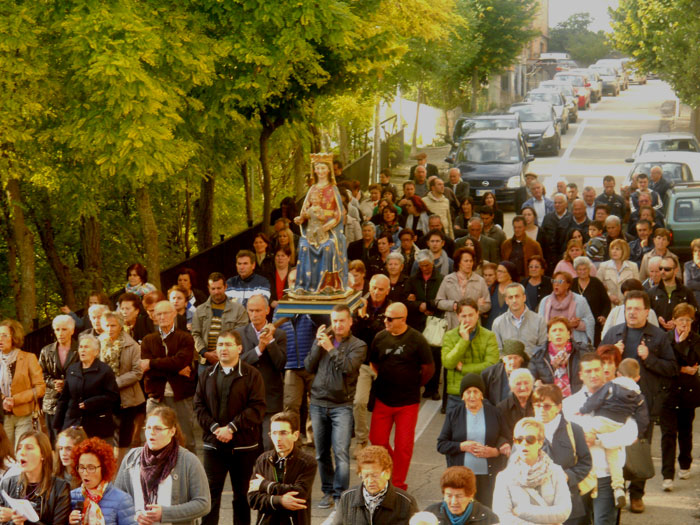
pixel 552 98
pixel 531 113
pixel 669 145
pixel 468 126
pixel 605 71
pixel 489 151
pixel 673 171
pixel 687 209
pixel 571 79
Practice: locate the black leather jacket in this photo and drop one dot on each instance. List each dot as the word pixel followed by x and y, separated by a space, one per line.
pixel 53 508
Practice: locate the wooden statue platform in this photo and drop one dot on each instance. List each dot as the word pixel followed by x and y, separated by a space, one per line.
pixel 315 304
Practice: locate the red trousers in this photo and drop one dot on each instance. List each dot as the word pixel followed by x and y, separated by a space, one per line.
pixel 383 419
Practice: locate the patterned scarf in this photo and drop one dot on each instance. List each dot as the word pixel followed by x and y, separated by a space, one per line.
pixel 532 476
pixel 561 373
pixel 92 513
pixel 111 351
pixel 372 501
pixel 6 361
pixel 155 467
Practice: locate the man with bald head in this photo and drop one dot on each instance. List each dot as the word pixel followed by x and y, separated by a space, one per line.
pixel 265 348
pixel 401 357
pixel 455 183
pixel 555 225
pixel 167 361
pixel 658 183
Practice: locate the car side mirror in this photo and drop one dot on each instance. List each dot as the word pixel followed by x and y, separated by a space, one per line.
pixel 530 158
pixel 629 160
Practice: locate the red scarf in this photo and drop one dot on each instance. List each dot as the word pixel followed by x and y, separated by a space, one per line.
pixel 92 513
pixel 561 372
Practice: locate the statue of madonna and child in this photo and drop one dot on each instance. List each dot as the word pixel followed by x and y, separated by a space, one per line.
pixel 322 265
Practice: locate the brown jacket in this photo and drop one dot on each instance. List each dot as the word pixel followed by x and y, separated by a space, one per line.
pixel 530 248
pixel 165 364
pixel 27 375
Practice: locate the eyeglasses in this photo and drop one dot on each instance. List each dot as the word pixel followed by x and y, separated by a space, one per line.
pixel 530 440
pixel 544 406
pixel 89 468
pixel 371 475
pixel 156 430
pixel 666 269
pixel 389 319
pixel 558 281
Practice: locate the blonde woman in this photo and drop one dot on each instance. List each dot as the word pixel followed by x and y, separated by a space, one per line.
pixel 618 269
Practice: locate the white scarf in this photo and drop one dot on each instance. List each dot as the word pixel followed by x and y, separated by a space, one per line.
pixel 6 361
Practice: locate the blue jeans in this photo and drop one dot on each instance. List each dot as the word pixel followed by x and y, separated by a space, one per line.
pixel 604 511
pixel 332 428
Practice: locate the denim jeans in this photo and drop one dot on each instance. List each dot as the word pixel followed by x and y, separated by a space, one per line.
pixel 604 511
pixel 332 428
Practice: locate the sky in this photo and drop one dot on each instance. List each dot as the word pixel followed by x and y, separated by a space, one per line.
pixel 560 10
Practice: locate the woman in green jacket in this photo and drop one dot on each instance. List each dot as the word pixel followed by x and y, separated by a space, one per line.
pixel 467 349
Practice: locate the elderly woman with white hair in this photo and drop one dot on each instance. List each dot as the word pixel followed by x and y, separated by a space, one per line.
pixel 594 291
pixel 95 313
pixel 397 280
pixel 518 404
pixel 532 488
pixel 123 355
pixel 54 360
pixel 89 394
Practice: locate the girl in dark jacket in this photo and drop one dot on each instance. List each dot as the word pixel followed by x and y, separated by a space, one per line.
pixel 48 495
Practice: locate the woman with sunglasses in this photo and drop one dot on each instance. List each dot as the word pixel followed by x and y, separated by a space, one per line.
pixel 475 435
pixel 566 444
pixel 48 495
pixel 166 481
pixel 532 488
pixel 97 501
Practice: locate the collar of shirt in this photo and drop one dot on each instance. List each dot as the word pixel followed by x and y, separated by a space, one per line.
pixel 517 321
pixel 162 335
pixel 551 427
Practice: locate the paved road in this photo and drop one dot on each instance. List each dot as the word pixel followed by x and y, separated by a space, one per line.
pixel 595 146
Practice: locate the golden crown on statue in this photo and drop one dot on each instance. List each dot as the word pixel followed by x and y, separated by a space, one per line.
pixel 322 157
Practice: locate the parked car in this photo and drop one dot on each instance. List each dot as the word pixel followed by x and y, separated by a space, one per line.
pixel 671 141
pixel 611 84
pixel 556 100
pixel 495 160
pixel 540 126
pixel 567 91
pixel 578 81
pixel 682 207
pixel 594 81
pixel 637 77
pixel 620 70
pixel 470 123
pixel 679 167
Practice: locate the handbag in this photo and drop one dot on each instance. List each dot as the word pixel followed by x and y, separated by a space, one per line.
pixel 434 331
pixel 38 419
pixel 638 465
pixel 590 482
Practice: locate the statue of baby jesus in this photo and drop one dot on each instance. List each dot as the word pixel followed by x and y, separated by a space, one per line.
pixel 315 233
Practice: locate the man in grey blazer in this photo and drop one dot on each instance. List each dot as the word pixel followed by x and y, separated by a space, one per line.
pixel 265 348
pixel 489 247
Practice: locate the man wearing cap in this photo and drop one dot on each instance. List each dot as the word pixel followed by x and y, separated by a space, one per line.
pixel 496 377
pixel 538 202
pixel 430 169
pixel 519 322
pixel 468 348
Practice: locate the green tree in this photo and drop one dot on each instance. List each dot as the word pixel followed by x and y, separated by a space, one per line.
pixel 574 36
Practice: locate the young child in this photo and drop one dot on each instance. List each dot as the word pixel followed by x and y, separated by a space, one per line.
pixel 611 406
pixel 316 217
pixel 596 248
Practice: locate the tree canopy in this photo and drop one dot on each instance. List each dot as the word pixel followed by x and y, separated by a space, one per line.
pixel 574 36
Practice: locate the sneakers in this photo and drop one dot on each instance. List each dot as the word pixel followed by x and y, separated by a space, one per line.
pixel 684 474
pixel 620 499
pixel 667 485
pixel 326 502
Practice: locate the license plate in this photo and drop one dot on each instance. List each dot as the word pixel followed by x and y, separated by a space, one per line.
pixel 530 144
pixel 479 193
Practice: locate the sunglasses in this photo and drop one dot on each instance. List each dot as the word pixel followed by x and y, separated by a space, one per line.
pixel 558 281
pixel 392 318
pixel 530 440
pixel 665 269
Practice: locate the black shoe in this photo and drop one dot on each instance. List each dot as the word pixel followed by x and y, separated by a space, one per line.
pixel 435 397
pixel 428 395
pixel 326 502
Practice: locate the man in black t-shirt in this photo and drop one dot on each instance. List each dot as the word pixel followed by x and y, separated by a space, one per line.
pixel 401 357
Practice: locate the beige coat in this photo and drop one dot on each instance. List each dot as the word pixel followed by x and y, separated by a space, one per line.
pixel 440 206
pixel 27 376
pixel 130 374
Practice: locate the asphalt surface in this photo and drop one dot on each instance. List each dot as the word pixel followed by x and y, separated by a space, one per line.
pixel 595 146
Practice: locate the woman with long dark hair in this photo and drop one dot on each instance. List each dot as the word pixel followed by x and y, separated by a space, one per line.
pixel 489 199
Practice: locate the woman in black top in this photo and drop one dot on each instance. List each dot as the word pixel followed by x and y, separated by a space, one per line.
pixel 537 284
pixel 594 291
pixel 679 410
pixel 48 495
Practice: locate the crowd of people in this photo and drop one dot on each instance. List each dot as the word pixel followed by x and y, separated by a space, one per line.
pixel 553 352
